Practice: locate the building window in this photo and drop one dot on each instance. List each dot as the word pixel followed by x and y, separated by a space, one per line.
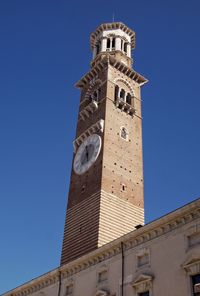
pixel 144 293
pixel 69 290
pixel 143 285
pixel 196 284
pixel 122 43
pixel 125 47
pixel 122 94
pixel 124 133
pixel 108 44
pixel 128 98
pixel 116 92
pixel 113 44
pixel 95 95
pixel 102 276
pixel 98 47
pixel 143 260
pixel 142 257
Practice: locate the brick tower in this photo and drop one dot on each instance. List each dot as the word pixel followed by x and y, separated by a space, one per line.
pixel 106 189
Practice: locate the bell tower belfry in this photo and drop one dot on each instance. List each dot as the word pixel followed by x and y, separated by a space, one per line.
pixel 106 189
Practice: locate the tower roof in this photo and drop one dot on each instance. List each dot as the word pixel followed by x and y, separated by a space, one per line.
pixel 112 26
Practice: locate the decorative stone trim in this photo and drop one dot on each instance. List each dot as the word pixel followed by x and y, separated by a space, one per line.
pixel 98 126
pixel 95 82
pixel 143 283
pixel 102 64
pixel 89 109
pixel 92 74
pixel 102 293
pixel 192 266
pixel 153 230
pixel 110 26
pixel 126 83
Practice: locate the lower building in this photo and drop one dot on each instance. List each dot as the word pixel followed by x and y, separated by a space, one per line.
pixel 161 258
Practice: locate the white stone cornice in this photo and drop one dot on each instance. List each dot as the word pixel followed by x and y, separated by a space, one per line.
pixel 112 26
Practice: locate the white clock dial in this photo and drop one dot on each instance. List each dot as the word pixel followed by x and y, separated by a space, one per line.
pixel 87 154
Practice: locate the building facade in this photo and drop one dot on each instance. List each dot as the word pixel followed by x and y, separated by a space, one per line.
pixel 160 258
pixel 107 250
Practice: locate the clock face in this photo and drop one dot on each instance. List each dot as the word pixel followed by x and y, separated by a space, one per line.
pixel 87 154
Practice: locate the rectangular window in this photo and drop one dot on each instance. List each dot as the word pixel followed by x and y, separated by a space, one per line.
pixel 143 260
pixel 194 239
pixel 69 290
pixel 196 284
pixel 144 293
pixel 103 276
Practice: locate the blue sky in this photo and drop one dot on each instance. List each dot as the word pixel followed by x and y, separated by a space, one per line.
pixel 44 50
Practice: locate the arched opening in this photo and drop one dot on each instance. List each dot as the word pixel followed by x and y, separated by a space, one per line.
pixel 122 43
pixel 108 43
pixel 99 93
pixel 124 133
pixel 95 95
pixel 128 98
pixel 98 47
pixel 125 47
pixel 122 94
pixel 113 44
pixel 116 92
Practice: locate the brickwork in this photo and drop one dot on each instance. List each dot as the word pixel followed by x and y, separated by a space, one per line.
pixel 106 201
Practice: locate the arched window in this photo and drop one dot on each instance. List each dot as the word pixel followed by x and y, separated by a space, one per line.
pixel 113 44
pixel 69 290
pixel 124 133
pixel 116 92
pixel 98 47
pixel 128 98
pixel 122 94
pixel 99 94
pixel 122 43
pixel 125 47
pixel 108 43
pixel 95 95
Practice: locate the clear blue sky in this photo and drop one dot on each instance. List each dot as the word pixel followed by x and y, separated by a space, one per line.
pixel 44 50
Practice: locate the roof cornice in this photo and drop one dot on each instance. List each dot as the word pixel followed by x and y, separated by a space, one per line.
pixel 103 64
pixel 153 230
pixel 112 26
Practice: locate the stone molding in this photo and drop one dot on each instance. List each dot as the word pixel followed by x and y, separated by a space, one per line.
pixel 192 266
pixel 143 283
pixel 153 230
pixel 126 83
pixel 88 110
pixel 96 127
pixel 102 293
pixel 103 65
pixel 94 83
pixel 112 26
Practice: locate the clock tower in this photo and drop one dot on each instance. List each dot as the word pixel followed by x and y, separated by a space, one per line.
pixel 106 189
